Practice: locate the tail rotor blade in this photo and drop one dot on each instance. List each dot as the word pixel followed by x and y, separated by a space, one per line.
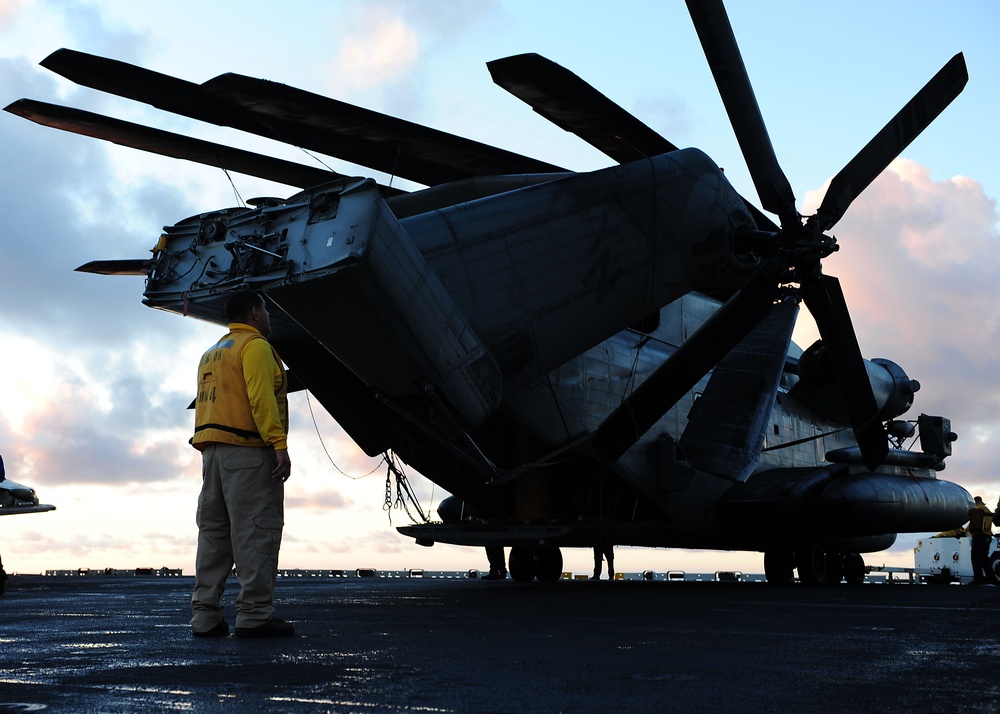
pixel 894 137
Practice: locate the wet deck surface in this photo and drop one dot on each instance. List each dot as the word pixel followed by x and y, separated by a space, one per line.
pixel 420 645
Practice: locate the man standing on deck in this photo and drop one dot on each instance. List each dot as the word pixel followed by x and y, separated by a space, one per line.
pixel 980 528
pixel 241 428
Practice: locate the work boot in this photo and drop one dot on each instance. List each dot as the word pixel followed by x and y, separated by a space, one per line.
pixel 275 627
pixel 221 629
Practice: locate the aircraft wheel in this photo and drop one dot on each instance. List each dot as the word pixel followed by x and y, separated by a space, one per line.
pixel 526 563
pixel 779 567
pixel 521 563
pixel 994 564
pixel 810 561
pixel 834 568
pixel 548 564
pixel 854 569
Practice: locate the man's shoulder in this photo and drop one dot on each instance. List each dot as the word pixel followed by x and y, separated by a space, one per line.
pixel 258 348
pixel 257 342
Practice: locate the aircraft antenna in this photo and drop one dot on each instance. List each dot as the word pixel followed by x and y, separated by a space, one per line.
pixel 316 158
pixel 235 190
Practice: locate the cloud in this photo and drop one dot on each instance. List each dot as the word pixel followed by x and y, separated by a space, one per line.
pixel 91 397
pixel 9 9
pixel 322 501
pixel 386 541
pixel 68 207
pixel 918 263
pixel 382 46
pixel 381 53
pixel 100 548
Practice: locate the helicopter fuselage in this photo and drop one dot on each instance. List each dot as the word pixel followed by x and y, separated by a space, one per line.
pixel 478 336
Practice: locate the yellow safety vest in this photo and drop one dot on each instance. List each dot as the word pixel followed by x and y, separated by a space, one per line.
pixel 226 410
pixel 980 521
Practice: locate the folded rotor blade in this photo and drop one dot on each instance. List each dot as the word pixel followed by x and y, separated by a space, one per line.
pixel 574 106
pixel 138 266
pixel 399 147
pixel 894 137
pixel 166 143
pixel 726 63
pixel 825 300
pixel 301 118
pixel 728 423
pixel 683 369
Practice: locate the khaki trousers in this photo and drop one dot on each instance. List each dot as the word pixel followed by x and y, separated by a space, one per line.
pixel 240 518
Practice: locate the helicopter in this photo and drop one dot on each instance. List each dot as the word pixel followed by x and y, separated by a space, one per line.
pixel 580 359
pixel 16 499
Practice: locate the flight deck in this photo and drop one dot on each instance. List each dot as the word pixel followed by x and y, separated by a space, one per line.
pixel 426 644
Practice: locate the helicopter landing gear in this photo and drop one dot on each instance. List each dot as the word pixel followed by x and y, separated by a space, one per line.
pixel 779 567
pixel 994 564
pixel 834 568
pixel 854 569
pixel 526 563
pixel 810 561
pixel 815 566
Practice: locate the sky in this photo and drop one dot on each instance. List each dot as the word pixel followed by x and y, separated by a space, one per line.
pixel 92 402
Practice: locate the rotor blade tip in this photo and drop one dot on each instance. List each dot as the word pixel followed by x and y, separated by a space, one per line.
pixel 54 56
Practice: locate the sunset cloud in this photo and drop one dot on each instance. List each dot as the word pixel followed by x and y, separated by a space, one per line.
pixel 10 8
pixel 381 50
pixel 918 265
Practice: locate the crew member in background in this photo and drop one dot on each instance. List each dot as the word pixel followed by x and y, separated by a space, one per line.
pixel 498 567
pixel 3 573
pixel 981 529
pixel 241 430
pixel 602 552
